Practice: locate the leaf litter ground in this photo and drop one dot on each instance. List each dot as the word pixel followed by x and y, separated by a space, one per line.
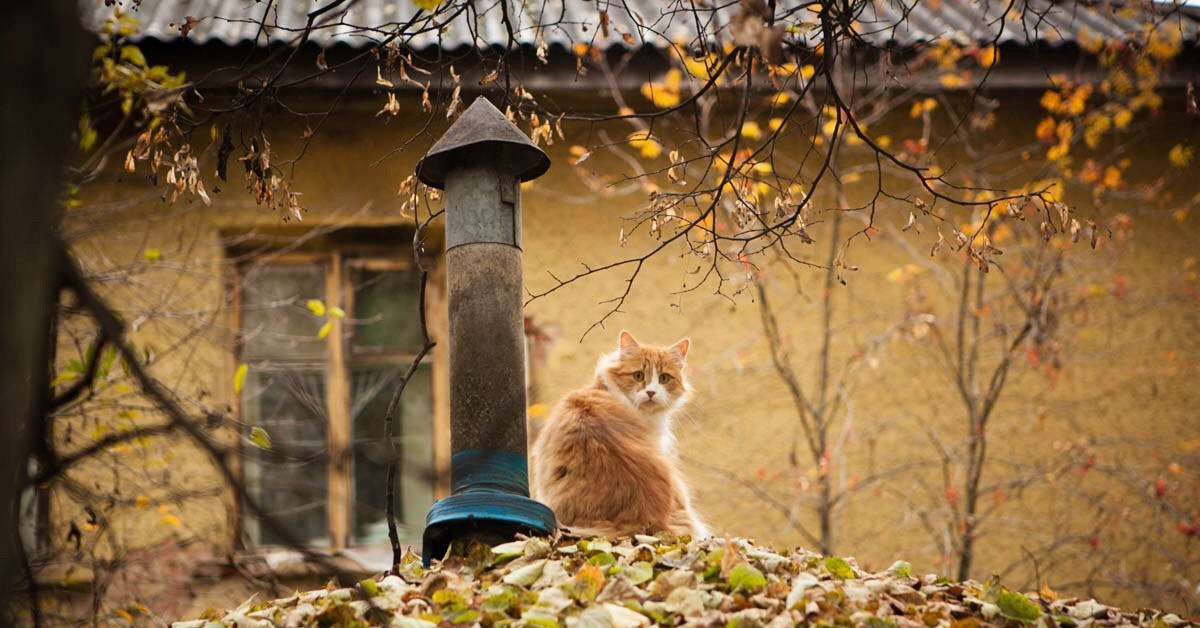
pixel 650 581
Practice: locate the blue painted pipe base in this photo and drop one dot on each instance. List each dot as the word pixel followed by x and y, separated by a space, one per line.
pixel 490 515
pixel 489 501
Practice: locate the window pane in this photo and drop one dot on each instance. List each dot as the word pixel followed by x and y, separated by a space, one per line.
pixel 412 430
pixel 275 320
pixel 290 480
pixel 385 309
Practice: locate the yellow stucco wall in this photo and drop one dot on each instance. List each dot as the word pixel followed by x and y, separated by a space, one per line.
pixel 1128 386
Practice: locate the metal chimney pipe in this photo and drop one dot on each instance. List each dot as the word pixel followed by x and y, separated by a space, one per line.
pixel 480 162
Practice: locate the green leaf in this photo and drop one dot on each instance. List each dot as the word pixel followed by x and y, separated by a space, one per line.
pixel 449 599
pixel 500 602
pixel 746 577
pixel 87 134
pixel 260 438
pixel 639 572
pixel 316 306
pixel 712 563
pixel 101 51
pixel 526 575
pixel 369 586
pixel 602 559
pixel 900 568
pixel 63 377
pixel 838 567
pixel 106 362
pixel 239 378
pixel 1018 607
pixel 134 55
pixel 462 616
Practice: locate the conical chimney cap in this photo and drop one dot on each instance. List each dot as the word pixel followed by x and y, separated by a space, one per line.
pixel 482 135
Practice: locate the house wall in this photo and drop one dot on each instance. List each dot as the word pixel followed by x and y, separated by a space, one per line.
pixel 1126 390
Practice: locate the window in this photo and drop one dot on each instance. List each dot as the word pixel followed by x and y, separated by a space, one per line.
pixel 325 338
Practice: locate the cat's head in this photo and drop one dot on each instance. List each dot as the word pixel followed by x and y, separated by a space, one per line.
pixel 648 378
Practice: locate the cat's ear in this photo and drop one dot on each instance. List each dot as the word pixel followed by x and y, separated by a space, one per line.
pixel 626 341
pixel 681 347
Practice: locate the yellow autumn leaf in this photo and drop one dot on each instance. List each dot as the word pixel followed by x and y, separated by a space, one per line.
pixel 1122 118
pixel 988 56
pixel 1112 177
pixel 337 312
pixel 952 80
pixel 1001 234
pixel 538 411
pixel 1051 101
pixel 1077 102
pixel 427 5
pixel 751 130
pixel 260 438
pixel 325 329
pixel 645 144
pixel 1065 131
pixel 141 501
pixel 152 255
pixel 775 124
pixel 807 72
pixel 316 306
pixel 171 520
pixel 239 377
pixel 1089 41
pixel 1181 155
pixel 922 106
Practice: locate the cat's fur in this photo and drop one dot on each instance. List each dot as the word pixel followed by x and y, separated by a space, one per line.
pixel 605 460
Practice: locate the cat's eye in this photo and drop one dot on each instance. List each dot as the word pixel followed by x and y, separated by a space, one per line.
pixel 664 378
pixel 638 376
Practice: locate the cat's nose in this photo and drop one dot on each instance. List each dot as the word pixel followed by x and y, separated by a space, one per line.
pixel 649 394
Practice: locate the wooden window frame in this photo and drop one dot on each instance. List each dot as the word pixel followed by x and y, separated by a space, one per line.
pixel 338 263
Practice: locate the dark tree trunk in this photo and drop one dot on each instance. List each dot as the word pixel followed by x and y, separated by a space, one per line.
pixel 45 59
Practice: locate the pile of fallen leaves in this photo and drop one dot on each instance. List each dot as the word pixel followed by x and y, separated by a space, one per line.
pixel 638 582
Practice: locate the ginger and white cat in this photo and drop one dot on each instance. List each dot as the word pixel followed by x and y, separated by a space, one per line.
pixel 605 461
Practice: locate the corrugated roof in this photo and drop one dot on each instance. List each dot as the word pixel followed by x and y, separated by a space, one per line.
pixel 359 23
